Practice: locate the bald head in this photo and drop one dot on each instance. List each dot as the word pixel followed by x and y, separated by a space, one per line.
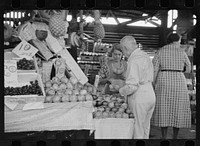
pixel 128 44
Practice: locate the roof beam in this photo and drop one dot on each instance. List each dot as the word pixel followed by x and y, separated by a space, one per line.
pixel 154 23
pixel 114 16
pixel 135 20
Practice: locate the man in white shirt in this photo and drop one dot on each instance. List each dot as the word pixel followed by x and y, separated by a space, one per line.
pixel 138 88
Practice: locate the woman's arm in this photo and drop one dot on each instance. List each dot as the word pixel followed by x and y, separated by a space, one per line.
pixel 156 65
pixel 187 63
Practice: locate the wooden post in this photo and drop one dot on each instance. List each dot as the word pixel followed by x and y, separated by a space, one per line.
pixel 163 29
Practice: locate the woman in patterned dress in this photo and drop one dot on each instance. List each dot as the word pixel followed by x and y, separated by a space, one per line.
pixel 113 70
pixel 172 101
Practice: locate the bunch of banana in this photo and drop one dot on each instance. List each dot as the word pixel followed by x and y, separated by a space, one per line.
pixel 75 39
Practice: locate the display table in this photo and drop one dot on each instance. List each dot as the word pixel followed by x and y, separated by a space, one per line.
pixel 54 116
pixel 112 128
pixel 65 117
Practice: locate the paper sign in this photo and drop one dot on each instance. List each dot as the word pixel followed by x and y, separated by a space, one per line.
pixel 73 66
pixel 60 67
pixel 27 32
pixel 10 72
pixel 25 50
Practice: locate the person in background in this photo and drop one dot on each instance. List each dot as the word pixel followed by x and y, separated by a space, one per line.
pixel 138 88
pixel 172 100
pixel 112 72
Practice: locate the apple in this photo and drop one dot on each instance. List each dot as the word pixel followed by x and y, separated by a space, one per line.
pixel 100 109
pixel 99 103
pixel 113 98
pixel 128 111
pixel 55 86
pixel 48 84
pixel 55 80
pixel 75 92
pixel 105 114
pixel 73 80
pixel 73 98
pixel 125 116
pixel 107 98
pixel 62 86
pixel 90 89
pixel 65 98
pixel 64 80
pixel 118 115
pixel 81 98
pixel 56 98
pixel 124 105
pixel 112 115
pixel 68 91
pixel 48 99
pixel 98 114
pixel 79 86
pixel 51 92
pixel 117 104
pixel 107 109
pixel 83 92
pixel 131 115
pixel 105 103
pixel 88 97
pixel 61 91
pixel 111 104
pixel 114 109
pixel 121 110
pixel 69 85
pixel 111 87
pixel 100 98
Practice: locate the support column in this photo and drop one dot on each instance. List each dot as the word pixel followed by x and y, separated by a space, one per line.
pixel 163 28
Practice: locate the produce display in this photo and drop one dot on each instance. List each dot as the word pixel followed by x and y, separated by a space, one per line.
pixel 111 106
pixel 67 90
pixel 24 64
pixel 31 89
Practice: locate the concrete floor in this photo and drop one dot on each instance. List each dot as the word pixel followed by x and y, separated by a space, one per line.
pixel 155 133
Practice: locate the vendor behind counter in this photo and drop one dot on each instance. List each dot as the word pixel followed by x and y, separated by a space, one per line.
pixel 112 72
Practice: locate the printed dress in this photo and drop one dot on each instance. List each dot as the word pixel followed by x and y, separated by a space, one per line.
pixel 172 100
pixel 109 72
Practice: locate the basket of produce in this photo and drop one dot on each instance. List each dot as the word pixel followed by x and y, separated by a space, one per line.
pixel 67 90
pixel 111 106
pixel 28 89
pixel 23 65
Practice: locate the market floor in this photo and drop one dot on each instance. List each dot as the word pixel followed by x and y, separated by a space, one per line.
pixel 155 133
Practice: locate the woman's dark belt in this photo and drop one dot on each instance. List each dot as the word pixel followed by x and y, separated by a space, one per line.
pixel 172 70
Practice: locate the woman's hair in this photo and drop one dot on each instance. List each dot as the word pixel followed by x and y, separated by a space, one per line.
pixel 116 47
pixel 173 37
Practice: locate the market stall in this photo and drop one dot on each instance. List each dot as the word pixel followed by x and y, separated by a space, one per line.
pixel 46 90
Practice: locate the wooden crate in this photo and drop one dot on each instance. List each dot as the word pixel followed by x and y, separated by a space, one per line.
pixel 23 78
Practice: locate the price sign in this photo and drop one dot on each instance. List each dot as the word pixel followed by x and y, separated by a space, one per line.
pixel 25 50
pixel 10 72
pixel 60 67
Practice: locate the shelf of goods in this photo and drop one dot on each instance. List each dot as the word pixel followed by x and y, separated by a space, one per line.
pixel 89 60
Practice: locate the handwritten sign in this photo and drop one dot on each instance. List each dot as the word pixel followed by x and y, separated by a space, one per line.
pixel 60 67
pixel 10 72
pixel 25 50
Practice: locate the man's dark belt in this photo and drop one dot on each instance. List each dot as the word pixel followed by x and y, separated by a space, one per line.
pixel 172 70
